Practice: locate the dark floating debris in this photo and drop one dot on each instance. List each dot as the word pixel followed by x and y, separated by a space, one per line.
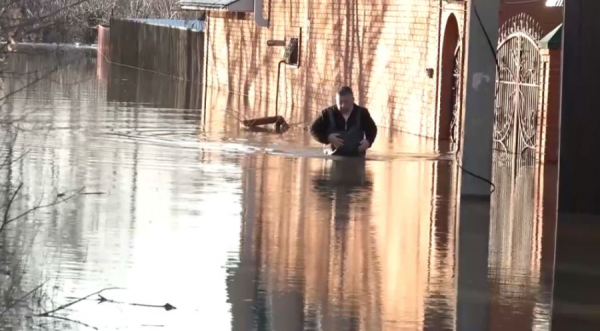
pixel 166 306
pixel 278 121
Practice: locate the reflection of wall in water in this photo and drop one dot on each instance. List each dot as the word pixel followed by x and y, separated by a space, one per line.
pixel 439 307
pixel 127 85
pixel 341 254
pixel 49 69
pixel 220 117
pixel 415 230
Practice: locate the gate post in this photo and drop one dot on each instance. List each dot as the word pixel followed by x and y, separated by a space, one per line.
pixel 550 48
pixel 478 121
pixel 577 265
pixel 480 79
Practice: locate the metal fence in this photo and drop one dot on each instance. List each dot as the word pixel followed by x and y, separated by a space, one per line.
pixel 174 52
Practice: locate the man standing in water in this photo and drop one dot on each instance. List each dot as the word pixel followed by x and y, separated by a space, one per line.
pixel 346 128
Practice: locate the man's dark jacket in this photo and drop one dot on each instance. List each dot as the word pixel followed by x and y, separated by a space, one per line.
pixel 320 128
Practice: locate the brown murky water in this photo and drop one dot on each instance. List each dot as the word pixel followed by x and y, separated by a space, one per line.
pixel 239 230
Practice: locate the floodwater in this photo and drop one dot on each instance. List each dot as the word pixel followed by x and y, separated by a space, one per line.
pixel 239 230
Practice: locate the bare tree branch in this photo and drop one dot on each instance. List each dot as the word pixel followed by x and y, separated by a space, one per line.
pixel 166 306
pixel 29 84
pixel 14 140
pixel 34 20
pixel 70 320
pixel 7 6
pixel 7 208
pixel 59 199
pixel 15 160
pixel 76 301
pixel 21 299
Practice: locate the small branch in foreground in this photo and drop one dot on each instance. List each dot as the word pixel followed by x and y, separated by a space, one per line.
pixel 15 160
pixel 22 298
pixel 48 313
pixel 93 193
pixel 12 145
pixel 29 84
pixel 5 220
pixel 33 20
pixel 58 200
pixel 70 320
pixel 166 306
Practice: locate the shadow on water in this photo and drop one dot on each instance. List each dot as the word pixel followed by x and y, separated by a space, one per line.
pixel 244 230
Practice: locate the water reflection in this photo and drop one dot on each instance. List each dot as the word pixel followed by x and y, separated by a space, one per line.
pixel 128 85
pixel 243 230
pixel 340 255
pixel 522 231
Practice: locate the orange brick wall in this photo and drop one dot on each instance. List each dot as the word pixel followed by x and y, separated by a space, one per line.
pixel 380 48
pixel 549 112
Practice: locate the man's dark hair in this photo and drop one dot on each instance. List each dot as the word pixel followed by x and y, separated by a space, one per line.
pixel 344 91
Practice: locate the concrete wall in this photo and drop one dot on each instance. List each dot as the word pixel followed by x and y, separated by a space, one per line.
pixel 382 49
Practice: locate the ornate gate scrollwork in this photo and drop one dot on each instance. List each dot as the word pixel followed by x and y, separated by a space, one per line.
pixel 517 86
pixel 456 88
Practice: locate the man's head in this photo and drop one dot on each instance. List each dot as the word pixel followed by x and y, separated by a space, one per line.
pixel 345 99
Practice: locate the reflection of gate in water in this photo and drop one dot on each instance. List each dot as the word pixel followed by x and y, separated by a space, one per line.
pixel 517 86
pixel 518 250
pixel 516 223
pixel 513 228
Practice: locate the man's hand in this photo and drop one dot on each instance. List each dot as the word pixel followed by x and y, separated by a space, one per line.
pixel 364 145
pixel 335 140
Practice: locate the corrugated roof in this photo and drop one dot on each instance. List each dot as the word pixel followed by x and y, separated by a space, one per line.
pixel 555 3
pixel 194 25
pixel 206 3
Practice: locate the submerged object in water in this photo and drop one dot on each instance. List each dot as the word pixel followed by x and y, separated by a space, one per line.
pixel 280 123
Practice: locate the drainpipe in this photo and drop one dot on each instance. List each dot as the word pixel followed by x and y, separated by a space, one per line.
pixel 258 14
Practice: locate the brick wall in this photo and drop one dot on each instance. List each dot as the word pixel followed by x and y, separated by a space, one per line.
pixel 380 48
pixel 549 110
